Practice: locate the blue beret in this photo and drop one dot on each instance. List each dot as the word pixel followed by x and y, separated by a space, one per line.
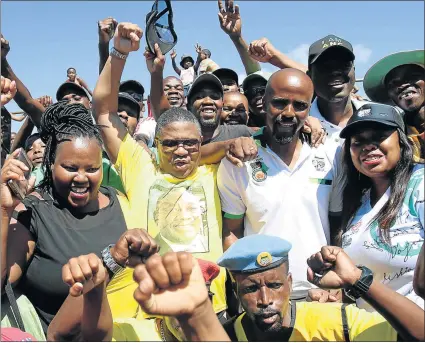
pixel 255 253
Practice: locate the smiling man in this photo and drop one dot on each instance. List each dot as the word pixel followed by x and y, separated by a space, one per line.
pixel 289 189
pixel 205 101
pixel 400 79
pixel 331 68
pixel 235 109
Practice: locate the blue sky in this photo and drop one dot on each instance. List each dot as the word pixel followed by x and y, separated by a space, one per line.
pixel 48 37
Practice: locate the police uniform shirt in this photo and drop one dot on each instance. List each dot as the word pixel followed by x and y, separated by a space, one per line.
pixel 291 204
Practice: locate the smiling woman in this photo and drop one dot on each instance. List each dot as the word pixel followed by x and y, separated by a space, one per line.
pixel 383 201
pixel 70 214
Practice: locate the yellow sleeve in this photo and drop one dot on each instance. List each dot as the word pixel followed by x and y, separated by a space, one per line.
pixel 132 163
pixel 133 330
pixel 368 326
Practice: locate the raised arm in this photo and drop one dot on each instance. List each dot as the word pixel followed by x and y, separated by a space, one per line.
pixel 84 84
pixel 263 51
pixel 173 61
pixel 85 316
pixel 22 135
pixel 231 23
pixel 338 271
pixel 17 243
pixel 173 285
pixel 106 29
pixel 105 95
pixel 155 63
pixel 88 317
pixel 198 50
pixel 23 97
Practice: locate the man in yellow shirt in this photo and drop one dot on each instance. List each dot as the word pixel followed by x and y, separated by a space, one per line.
pixel 175 200
pixel 259 267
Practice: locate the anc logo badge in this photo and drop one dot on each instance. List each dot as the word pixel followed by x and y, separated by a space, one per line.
pixel 264 259
pixel 259 170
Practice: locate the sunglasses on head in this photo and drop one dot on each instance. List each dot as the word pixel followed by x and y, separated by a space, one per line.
pixel 136 96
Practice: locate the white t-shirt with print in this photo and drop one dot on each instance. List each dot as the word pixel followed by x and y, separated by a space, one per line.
pixel 392 264
pixel 291 204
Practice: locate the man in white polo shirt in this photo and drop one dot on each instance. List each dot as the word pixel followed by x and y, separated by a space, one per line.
pixel 288 191
pixel 331 68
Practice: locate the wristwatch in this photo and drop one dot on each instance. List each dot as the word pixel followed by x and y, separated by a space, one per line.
pixel 109 261
pixel 361 286
pixel 116 53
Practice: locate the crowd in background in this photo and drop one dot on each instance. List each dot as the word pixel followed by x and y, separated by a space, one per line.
pixel 281 207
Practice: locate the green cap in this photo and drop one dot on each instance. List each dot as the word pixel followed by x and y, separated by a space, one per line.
pixel 373 82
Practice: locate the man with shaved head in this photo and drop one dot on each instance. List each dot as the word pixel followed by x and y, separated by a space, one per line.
pixel 288 190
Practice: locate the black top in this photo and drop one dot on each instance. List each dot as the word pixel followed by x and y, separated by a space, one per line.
pixel 59 236
pixel 226 132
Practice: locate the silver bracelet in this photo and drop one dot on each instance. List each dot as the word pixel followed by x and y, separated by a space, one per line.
pixel 116 53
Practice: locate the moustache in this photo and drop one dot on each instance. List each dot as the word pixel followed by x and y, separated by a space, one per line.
pixel 284 129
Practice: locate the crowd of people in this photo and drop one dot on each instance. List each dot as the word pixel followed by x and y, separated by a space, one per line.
pixel 281 207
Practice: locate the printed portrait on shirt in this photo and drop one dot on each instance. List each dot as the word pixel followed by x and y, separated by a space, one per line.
pixel 179 213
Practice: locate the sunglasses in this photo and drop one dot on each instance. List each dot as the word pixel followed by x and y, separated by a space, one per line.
pixel 136 96
pixel 170 145
pixel 252 92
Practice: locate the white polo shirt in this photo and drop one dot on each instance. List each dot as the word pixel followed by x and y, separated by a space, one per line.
pixel 291 204
pixel 332 130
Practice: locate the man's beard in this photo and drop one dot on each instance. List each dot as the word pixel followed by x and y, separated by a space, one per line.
pixel 284 132
pixel 209 123
pixel 268 328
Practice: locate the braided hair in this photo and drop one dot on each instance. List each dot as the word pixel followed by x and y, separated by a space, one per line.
pixel 62 122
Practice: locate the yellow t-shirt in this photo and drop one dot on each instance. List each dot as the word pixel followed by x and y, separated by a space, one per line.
pixel 180 214
pixel 122 286
pixel 133 330
pixel 323 322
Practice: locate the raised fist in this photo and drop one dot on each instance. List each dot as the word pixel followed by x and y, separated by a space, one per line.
pixel 127 37
pixel 45 100
pixel 170 285
pixel 173 54
pixel 133 247
pixel 8 90
pixel 83 273
pixel 5 47
pixel 262 50
pixel 106 29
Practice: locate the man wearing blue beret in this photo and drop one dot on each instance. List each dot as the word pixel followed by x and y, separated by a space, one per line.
pixel 259 267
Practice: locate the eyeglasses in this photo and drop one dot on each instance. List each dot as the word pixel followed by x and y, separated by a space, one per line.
pixel 170 145
pixel 252 92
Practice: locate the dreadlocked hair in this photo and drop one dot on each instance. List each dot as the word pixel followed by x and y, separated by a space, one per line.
pixel 63 122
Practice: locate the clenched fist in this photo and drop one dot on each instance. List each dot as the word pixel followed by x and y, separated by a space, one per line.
pixel 262 50
pixel 83 273
pixel 106 29
pixel 133 247
pixel 127 37
pixel 170 285
pixel 5 47
pixel 8 90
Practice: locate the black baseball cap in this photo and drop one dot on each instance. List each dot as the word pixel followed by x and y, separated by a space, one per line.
pixel 126 99
pixel 373 113
pixel 133 87
pixel 329 42
pixel 70 87
pixel 203 79
pixel 223 72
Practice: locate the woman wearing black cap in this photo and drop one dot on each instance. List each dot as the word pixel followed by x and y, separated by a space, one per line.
pixel 383 200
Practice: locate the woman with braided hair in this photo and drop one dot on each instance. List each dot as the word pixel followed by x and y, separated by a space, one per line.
pixel 68 215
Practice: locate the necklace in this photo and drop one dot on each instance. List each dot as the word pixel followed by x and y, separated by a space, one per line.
pixel 162 331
